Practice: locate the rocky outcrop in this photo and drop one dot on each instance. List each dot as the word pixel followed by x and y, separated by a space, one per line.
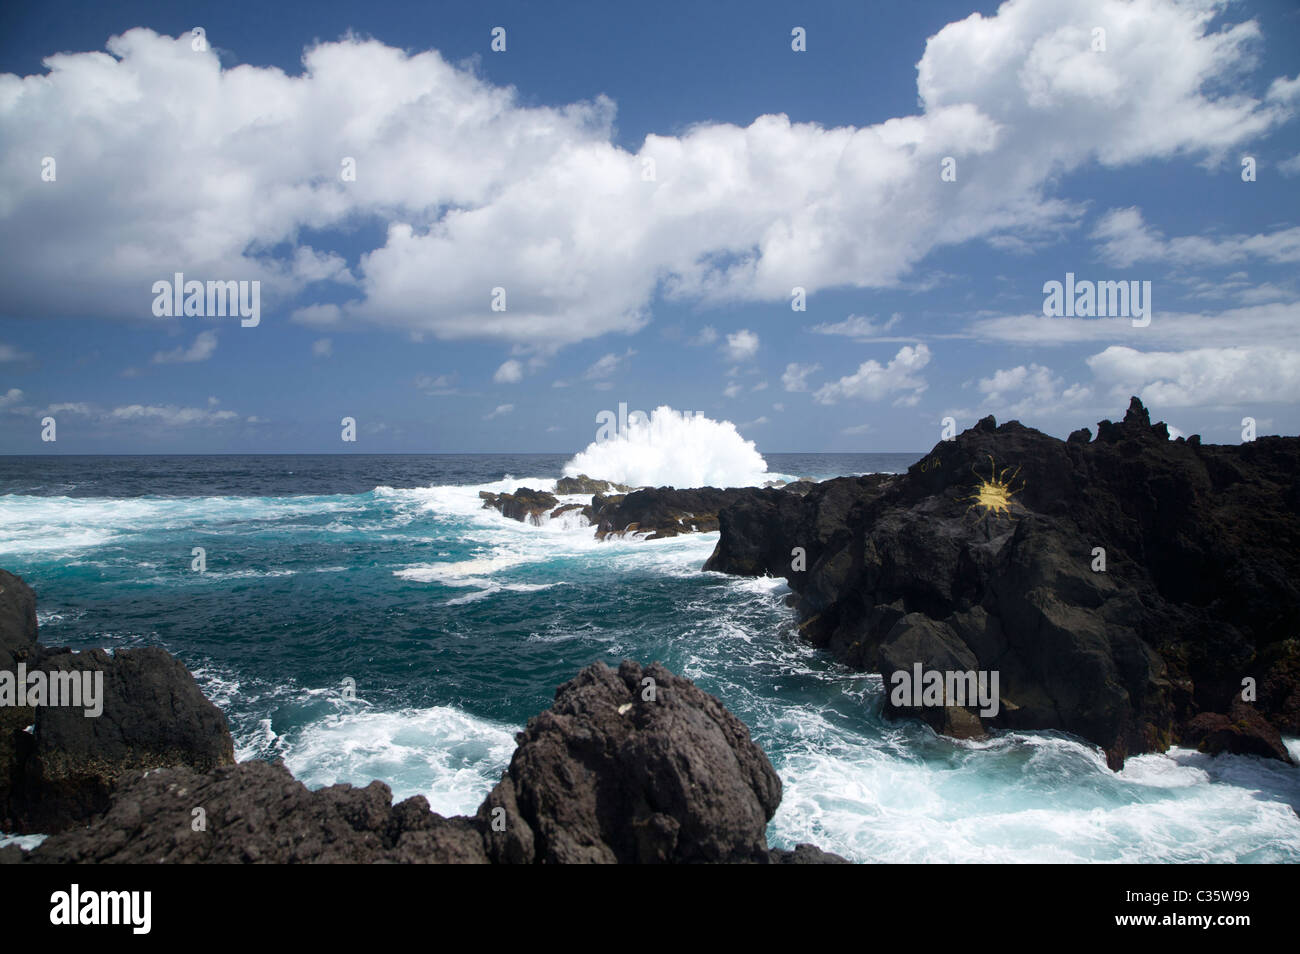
pixel 1121 587
pixel 582 484
pixel 637 765
pixel 525 504
pixel 258 812
pixel 154 716
pixel 1243 731
pixel 663 511
pixel 64 771
pixel 17 645
pixel 651 514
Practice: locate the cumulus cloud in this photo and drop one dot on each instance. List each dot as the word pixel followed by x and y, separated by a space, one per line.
pixel 795 376
pixel 1201 377
pixel 510 372
pixel 322 347
pixel 874 381
pixel 205 344
pixel 11 397
pixel 479 190
pixel 499 411
pixel 1028 390
pixel 741 345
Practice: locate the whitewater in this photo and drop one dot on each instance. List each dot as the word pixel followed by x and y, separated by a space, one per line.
pixel 457 624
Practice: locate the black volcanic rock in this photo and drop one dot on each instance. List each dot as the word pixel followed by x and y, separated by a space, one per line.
pixel 610 773
pixel 1201 587
pixel 525 504
pixel 65 770
pixel 154 715
pixel 582 484
pixel 651 513
pixel 17 644
pixel 1243 731
pixel 662 511
pixel 257 812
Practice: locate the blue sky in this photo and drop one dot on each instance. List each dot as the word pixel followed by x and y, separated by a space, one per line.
pixel 525 170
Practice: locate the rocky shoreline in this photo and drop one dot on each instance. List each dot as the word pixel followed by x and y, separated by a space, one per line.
pixel 627 766
pixel 1131 590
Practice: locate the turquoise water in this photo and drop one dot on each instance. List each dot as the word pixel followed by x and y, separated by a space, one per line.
pixel 457 625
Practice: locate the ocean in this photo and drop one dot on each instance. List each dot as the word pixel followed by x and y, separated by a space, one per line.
pixel 456 624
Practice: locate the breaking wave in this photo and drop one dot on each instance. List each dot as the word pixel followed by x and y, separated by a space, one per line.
pixel 673 449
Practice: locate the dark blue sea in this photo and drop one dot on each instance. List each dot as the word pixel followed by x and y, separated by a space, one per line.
pixel 457 625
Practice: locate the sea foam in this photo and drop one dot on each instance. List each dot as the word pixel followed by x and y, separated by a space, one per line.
pixel 673 449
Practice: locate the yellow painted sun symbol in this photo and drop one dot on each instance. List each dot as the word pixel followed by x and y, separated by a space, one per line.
pixel 994 494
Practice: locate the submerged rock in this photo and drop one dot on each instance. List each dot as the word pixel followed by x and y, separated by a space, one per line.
pixel 1120 586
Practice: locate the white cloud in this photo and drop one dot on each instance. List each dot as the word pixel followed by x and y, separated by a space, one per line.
pixel 872 381
pixel 510 372
pixel 1277 323
pixel 322 347
pixel 205 344
pixel 500 410
pixel 437 384
pixel 69 407
pixel 1202 377
pixel 607 365
pixel 169 415
pixel 732 389
pixel 742 345
pixel 480 190
pixel 1025 391
pixel 707 335
pixel 1290 167
pixel 858 327
pixel 10 353
pixel 795 376
pixel 11 397
pixel 1125 238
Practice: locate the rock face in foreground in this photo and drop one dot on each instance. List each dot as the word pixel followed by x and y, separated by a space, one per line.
pixel 607 774
pixel 1200 590
pixel 64 771
pixel 633 766
pixel 636 765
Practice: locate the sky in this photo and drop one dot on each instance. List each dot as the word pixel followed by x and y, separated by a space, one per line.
pixel 468 249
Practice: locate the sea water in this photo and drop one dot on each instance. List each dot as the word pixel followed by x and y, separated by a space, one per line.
pixel 457 624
